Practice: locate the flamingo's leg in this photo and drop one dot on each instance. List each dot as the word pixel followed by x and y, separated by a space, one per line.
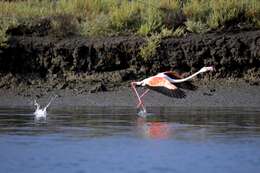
pixel 139 98
pixel 144 93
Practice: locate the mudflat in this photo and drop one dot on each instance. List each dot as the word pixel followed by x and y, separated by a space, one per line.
pixel 214 94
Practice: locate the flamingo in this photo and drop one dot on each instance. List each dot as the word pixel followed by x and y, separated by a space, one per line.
pixel 42 113
pixel 167 83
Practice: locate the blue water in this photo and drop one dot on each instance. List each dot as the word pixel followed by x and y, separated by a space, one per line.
pixel 116 140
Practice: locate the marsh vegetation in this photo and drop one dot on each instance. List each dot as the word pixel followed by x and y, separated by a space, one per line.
pixel 111 17
pixel 152 19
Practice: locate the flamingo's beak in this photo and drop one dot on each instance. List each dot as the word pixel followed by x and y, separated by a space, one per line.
pixel 136 83
pixel 133 83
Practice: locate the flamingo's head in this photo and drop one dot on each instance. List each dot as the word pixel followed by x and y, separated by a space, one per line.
pixel 205 69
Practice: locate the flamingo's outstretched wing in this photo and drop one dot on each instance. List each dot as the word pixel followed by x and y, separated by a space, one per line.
pixel 185 85
pixel 163 86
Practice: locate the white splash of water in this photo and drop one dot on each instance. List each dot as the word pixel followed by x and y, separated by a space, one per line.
pixel 42 113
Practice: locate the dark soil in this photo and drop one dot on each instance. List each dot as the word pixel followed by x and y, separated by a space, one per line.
pixel 218 94
pixel 36 59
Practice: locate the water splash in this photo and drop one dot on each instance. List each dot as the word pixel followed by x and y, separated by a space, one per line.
pixel 42 113
pixel 143 113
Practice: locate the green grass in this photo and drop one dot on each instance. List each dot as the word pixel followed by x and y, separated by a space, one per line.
pixel 203 15
pixel 148 50
pixel 26 9
pixel 224 11
pixel 197 10
pixel 196 26
pixel 141 17
pixel 180 31
pixel 98 26
pixel 151 20
pixel 125 15
pixel 174 5
pixel 5 23
pixel 252 12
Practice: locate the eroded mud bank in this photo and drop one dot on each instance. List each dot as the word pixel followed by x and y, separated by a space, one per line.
pixel 32 60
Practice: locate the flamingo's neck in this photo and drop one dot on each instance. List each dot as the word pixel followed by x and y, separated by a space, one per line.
pixel 184 79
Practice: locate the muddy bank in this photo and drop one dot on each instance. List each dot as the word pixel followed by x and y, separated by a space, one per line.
pixel 233 94
pixel 32 60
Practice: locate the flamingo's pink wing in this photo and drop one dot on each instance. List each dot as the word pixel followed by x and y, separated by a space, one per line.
pixel 163 86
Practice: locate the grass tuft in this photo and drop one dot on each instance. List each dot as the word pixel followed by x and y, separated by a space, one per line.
pixel 149 49
pixel 252 12
pixel 180 31
pixel 174 5
pixel 151 20
pixel 165 32
pixel 224 11
pixel 125 15
pixel 196 27
pixel 98 26
pixel 197 10
pixel 5 23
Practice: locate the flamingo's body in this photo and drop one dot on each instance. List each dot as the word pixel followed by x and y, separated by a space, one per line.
pixel 167 83
pixel 42 113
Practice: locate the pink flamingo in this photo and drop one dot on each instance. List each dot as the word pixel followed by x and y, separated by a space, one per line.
pixel 167 83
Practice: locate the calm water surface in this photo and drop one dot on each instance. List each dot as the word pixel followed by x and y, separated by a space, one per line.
pixel 115 140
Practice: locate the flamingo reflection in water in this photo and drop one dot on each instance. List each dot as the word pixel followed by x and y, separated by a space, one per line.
pixel 154 129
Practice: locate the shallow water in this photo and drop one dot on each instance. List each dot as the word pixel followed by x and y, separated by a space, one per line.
pixel 98 139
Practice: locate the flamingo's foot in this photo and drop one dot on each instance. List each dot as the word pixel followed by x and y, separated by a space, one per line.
pixel 143 113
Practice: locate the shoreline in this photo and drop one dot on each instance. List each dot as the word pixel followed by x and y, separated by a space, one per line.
pixel 215 94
